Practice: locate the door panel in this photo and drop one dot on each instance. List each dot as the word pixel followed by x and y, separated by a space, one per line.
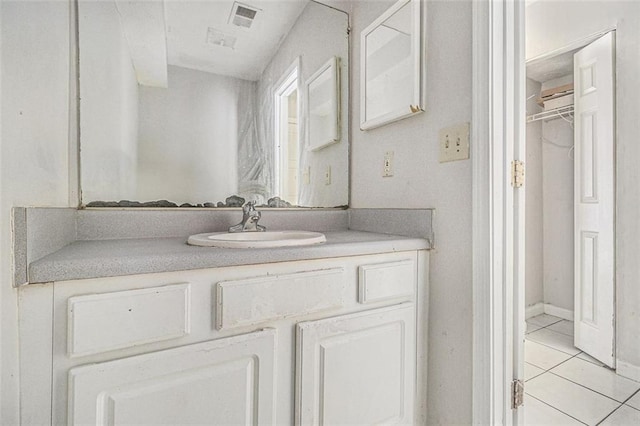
pixel 594 171
pixel 226 381
pixel 357 369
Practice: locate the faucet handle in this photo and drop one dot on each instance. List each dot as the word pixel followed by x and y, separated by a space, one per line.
pixel 250 218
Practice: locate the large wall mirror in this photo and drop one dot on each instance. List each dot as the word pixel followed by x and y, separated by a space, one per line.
pixel 194 101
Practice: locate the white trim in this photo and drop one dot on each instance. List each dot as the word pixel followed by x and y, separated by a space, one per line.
pixel 497 132
pixel 577 44
pixel 483 346
pixel 75 190
pixel 488 384
pixel 556 311
pixel 627 370
pixel 549 309
pixel 287 83
pixel 534 310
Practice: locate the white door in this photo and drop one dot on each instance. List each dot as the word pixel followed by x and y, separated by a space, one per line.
pixel 357 369
pixel 594 199
pixel 221 382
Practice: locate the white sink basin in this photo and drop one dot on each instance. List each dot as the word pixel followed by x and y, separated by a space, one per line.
pixel 257 239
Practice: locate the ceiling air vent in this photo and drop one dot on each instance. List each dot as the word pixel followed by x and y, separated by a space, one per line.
pixel 219 38
pixel 243 15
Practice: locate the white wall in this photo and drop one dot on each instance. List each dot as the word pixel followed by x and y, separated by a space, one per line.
pixel 549 204
pixel 109 105
pixel 34 138
pixel 303 37
pixel 552 25
pixel 558 223
pixel 188 136
pixel 419 182
pixel 533 201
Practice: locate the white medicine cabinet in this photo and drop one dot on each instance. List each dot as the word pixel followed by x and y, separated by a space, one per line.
pixel 392 52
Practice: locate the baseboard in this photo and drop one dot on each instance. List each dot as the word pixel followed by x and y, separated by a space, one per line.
pixel 627 370
pixel 549 309
pixel 534 310
pixel 563 313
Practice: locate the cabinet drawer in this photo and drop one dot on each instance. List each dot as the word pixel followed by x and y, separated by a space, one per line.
pixel 104 322
pixel 256 300
pixel 386 281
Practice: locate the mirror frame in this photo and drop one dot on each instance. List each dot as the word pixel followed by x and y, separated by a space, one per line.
pixel 331 68
pixel 418 51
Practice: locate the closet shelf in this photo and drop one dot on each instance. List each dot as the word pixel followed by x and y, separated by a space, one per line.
pixel 561 112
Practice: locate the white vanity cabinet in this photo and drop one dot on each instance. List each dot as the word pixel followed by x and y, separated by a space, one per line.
pixel 229 381
pixel 340 340
pixel 357 368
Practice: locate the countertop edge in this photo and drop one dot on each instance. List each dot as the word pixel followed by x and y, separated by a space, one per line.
pixel 173 255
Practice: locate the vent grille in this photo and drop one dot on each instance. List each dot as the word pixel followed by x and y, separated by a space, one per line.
pixel 245 12
pixel 219 38
pixel 242 15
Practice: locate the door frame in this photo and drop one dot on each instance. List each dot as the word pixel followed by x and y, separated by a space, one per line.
pixel 497 208
pixel 498 137
pixel 288 82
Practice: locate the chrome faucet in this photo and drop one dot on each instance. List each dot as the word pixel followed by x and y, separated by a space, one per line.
pixel 250 218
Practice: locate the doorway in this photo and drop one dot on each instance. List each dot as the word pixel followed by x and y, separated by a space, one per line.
pixel 287 136
pixel 569 348
pixel 498 140
pixel 570 202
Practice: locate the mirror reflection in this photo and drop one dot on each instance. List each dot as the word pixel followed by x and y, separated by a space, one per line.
pixel 323 97
pixel 195 101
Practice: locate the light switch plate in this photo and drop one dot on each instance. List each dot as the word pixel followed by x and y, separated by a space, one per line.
pixel 306 175
pixel 454 143
pixel 387 167
pixel 327 176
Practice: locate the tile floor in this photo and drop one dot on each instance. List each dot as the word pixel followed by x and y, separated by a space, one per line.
pixel 565 386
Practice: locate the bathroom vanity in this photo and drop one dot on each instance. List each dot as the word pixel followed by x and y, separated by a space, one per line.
pixel 336 334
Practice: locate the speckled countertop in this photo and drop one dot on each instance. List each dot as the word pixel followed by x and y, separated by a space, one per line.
pixel 109 258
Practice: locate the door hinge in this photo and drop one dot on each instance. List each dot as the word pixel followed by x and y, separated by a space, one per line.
pixel 517 394
pixel 517 173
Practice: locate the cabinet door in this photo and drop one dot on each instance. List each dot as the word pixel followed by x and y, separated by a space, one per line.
pixel 357 369
pixel 227 381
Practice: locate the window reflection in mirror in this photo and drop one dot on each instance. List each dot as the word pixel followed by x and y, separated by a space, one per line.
pixel 177 101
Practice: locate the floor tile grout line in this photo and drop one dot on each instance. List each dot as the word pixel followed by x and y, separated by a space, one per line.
pixel 620 404
pixel 623 404
pixel 545 326
pixel 598 363
pixel 630 397
pixel 609 415
pixel 556 349
pixel 588 388
pixel 551 368
pixel 537 375
pixel 555 408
